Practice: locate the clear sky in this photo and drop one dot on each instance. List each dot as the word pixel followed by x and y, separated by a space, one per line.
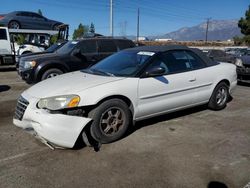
pixel 156 16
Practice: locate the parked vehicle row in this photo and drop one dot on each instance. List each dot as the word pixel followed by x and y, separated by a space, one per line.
pixel 220 55
pixel 131 85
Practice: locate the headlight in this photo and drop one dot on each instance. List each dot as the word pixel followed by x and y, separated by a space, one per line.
pixel 29 64
pixel 59 102
pixel 238 62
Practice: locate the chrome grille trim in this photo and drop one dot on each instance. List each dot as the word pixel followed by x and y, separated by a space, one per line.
pixel 21 106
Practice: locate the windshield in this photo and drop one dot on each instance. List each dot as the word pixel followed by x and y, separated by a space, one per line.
pixel 54 47
pixel 124 63
pixel 67 48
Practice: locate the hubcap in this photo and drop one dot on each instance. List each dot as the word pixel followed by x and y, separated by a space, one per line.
pixel 14 25
pixel 221 96
pixel 112 121
pixel 51 75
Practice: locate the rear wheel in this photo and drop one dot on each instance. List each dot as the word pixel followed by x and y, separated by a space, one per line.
pixel 51 73
pixel 111 120
pixel 219 97
pixel 14 25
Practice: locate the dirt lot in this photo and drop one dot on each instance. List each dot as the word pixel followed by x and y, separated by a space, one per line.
pixel 191 148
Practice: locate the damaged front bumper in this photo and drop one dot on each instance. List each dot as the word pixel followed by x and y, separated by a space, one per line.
pixel 52 129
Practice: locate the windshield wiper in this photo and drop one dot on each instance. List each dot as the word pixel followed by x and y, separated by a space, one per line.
pixel 101 72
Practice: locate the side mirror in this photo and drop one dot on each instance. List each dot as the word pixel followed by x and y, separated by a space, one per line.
pixel 211 57
pixel 155 71
pixel 76 52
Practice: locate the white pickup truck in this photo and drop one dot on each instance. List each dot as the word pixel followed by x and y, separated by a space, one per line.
pixel 7 55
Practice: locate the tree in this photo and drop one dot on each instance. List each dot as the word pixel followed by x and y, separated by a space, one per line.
pixel 244 25
pixel 92 28
pixel 39 12
pixel 20 39
pixel 53 39
pixel 80 31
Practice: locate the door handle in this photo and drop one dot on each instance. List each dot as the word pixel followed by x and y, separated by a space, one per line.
pixel 192 80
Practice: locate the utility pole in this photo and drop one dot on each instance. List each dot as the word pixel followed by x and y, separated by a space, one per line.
pixel 138 24
pixel 208 19
pixel 111 19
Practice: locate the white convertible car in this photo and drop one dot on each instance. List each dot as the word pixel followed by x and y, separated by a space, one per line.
pixel 129 86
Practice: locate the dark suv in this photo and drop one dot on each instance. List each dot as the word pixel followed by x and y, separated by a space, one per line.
pixel 72 56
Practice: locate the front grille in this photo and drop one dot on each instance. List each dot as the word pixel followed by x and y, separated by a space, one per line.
pixel 21 65
pixel 21 106
pixel 247 65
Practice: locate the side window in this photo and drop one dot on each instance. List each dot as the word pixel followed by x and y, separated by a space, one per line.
pixel 36 15
pixel 25 14
pixel 158 62
pixel 88 46
pixel 106 46
pixel 195 61
pixel 176 61
pixel 3 34
pixel 123 44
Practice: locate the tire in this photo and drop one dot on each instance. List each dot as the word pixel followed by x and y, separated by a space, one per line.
pixel 111 120
pixel 51 73
pixel 14 25
pixel 219 98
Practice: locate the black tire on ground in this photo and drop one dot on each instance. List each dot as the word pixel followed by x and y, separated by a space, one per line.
pixel 220 97
pixel 111 120
pixel 51 73
pixel 14 25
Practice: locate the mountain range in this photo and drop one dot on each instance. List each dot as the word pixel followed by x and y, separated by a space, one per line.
pixel 217 30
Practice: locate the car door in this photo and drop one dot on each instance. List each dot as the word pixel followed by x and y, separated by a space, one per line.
pixel 82 55
pixel 106 47
pixel 25 19
pixel 204 77
pixel 173 90
pixel 40 21
pixel 88 49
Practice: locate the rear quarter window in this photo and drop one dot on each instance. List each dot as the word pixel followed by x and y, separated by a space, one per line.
pixel 124 44
pixel 3 34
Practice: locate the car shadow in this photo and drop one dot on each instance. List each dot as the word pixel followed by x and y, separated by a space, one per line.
pixel 166 117
pixel 7 69
pixel 4 88
pixel 216 184
pixel 246 84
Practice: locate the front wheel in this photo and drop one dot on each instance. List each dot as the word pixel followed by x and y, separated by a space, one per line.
pixel 219 97
pixel 111 120
pixel 51 73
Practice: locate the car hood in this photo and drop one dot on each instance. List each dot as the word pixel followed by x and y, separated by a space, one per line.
pixel 40 56
pixel 70 83
pixel 35 54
